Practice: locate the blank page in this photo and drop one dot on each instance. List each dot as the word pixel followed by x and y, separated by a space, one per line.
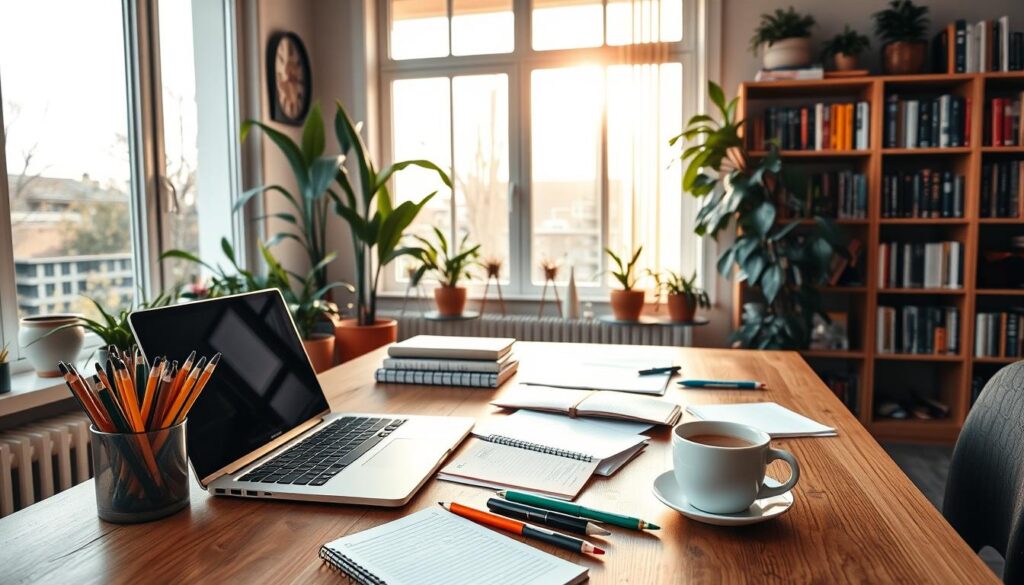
pixel 772 418
pixel 495 465
pixel 436 546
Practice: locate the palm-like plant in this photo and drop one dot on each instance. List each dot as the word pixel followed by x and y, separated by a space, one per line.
pixel 377 224
pixel 901 21
pixel 624 270
pixel 449 264
pixel 849 42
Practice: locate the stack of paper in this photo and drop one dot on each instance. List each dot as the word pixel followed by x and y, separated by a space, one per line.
pixel 778 421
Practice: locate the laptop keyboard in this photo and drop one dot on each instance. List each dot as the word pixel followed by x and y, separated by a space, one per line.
pixel 318 458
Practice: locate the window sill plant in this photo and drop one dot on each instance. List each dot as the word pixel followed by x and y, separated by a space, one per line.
pixel 845 49
pixel 627 302
pixel 785 39
pixel 902 27
pixel 450 265
pixel 682 296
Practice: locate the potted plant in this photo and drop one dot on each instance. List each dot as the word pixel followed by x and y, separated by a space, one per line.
pixel 783 266
pixel 5 371
pixel 785 38
pixel 449 265
pixel 223 281
pixel 627 303
pixel 845 49
pixel 377 227
pixel 902 27
pixel 683 296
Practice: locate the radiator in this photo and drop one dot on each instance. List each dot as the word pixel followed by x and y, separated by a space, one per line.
pixel 42 458
pixel 532 328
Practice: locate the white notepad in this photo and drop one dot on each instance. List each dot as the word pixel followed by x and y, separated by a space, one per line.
pixel 436 546
pixel 608 369
pixel 776 420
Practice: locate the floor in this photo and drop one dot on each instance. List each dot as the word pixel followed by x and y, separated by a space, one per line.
pixel 927 467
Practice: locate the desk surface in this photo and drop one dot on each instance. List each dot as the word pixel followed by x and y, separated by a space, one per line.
pixel 857 518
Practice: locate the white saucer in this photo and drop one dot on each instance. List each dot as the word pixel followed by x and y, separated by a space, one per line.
pixel 666 490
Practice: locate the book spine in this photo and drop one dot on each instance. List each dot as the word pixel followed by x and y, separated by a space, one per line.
pixel 892 105
pixel 467 379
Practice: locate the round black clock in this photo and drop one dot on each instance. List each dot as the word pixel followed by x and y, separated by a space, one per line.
pixel 289 78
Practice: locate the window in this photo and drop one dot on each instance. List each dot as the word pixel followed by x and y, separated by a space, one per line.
pixel 555 125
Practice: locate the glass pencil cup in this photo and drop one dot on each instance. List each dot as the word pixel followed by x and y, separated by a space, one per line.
pixel 140 476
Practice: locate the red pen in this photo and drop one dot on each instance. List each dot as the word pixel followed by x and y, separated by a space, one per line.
pixel 522 529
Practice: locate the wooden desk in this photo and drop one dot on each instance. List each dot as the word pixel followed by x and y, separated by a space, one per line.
pixel 857 518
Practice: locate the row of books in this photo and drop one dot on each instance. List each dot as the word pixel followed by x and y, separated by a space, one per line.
pixel 987 45
pixel 927 122
pixel 1004 124
pixel 835 194
pixel 820 126
pixel 449 361
pixel 845 387
pixel 913 329
pixel 924 193
pixel 998 334
pixel 1002 184
pixel 920 264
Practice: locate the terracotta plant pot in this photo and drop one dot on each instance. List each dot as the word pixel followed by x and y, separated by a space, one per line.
pixel 353 340
pixel 680 309
pixel 451 300
pixel 320 350
pixel 59 347
pixel 846 62
pixel 787 53
pixel 904 57
pixel 627 304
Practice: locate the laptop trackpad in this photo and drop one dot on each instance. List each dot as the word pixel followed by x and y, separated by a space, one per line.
pixel 403 453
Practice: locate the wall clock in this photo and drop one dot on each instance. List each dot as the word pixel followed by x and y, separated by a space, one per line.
pixel 289 78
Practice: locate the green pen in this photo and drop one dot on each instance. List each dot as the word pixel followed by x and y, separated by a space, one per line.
pixel 577 510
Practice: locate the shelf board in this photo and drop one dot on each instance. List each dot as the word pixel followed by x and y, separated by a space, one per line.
pixel 813 153
pixel 921 291
pixel 926 151
pixel 833 353
pixel 1003 149
pixel 1000 292
pixel 837 221
pixel 919 357
pixel 996 360
pixel 1001 220
pixel 922 221
pixel 843 289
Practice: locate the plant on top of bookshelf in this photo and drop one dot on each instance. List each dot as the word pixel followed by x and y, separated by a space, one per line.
pixel 784 36
pixel 784 264
pixel 450 264
pixel 845 48
pixel 902 27
pixel 683 296
pixel 627 303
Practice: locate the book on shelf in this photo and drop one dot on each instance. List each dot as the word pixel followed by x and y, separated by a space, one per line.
pixel 1003 121
pixel 819 126
pixel 846 269
pixel 790 74
pixel 927 121
pixel 1002 184
pixel 926 193
pixel 919 330
pixel 477 362
pixel 845 386
pixel 980 47
pixel 926 265
pixel 998 334
pixel 832 194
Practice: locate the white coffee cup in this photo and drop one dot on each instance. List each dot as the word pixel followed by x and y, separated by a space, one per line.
pixel 726 479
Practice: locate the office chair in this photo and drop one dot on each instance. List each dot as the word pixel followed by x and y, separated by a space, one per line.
pixel 985 489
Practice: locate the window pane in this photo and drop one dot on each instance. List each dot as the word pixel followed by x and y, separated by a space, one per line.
pixel 566 167
pixel 419 29
pixel 420 122
pixel 177 71
pixel 644 21
pixel 481 163
pixel 482 26
pixel 567 24
pixel 65 119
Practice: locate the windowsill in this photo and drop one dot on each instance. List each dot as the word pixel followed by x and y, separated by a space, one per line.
pixel 30 391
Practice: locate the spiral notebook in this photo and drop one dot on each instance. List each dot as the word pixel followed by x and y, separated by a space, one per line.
pixel 435 546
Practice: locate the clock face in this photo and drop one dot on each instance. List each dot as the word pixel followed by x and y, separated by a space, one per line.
pixel 289 77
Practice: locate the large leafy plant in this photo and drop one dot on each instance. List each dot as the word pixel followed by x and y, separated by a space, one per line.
pixel 624 271
pixel 784 264
pixel 377 224
pixel 779 25
pixel 901 21
pixel 449 263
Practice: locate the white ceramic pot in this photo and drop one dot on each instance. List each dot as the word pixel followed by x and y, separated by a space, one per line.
pixel 62 346
pixel 788 53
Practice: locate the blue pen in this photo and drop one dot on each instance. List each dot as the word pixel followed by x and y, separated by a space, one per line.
pixel 732 384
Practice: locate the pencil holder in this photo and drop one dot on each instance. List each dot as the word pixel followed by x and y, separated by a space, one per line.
pixel 140 476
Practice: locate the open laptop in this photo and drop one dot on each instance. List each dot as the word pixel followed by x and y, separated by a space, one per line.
pixel 262 427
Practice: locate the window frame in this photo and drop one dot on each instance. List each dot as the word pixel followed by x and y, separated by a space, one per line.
pixel 691 52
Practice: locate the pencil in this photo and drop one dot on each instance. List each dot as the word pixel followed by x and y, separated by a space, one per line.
pixel 163 393
pixel 198 388
pixel 182 373
pixel 128 396
pixel 89 409
pixel 182 393
pixel 150 390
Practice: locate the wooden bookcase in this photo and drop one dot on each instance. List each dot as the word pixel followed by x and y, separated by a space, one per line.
pixel 948 377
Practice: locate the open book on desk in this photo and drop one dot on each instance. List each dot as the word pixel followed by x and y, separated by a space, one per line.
pixel 586 403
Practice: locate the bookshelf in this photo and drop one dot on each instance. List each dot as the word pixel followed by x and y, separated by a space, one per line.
pixel 943 377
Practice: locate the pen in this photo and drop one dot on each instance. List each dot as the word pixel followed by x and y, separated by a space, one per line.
pixel 577 510
pixel 664 370
pixel 736 384
pixel 547 517
pixel 516 527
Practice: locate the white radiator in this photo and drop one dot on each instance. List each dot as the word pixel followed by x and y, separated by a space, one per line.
pixel 42 458
pixel 532 328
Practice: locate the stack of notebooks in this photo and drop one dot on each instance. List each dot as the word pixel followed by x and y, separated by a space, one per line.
pixel 920 265
pixel 918 330
pixel 477 362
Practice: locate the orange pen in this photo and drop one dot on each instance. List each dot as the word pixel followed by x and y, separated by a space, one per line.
pixel 516 527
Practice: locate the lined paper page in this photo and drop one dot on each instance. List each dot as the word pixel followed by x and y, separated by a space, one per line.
pixel 436 546
pixel 493 465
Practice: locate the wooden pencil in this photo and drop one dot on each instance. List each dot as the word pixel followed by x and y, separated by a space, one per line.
pixel 198 388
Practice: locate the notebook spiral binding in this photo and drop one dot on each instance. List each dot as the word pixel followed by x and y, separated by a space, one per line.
pixel 351 569
pixel 502 440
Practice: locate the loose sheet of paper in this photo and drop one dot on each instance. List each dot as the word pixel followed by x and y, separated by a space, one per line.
pixel 494 465
pixel 772 418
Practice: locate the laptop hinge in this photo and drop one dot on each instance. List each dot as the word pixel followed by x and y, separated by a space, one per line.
pixel 266 449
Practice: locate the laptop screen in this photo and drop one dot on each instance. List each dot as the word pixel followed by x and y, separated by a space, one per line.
pixel 263 385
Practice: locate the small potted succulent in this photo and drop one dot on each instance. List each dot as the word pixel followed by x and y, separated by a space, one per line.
pixel 5 371
pixel 449 264
pixel 845 49
pixel 902 27
pixel 682 294
pixel 627 303
pixel 785 38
